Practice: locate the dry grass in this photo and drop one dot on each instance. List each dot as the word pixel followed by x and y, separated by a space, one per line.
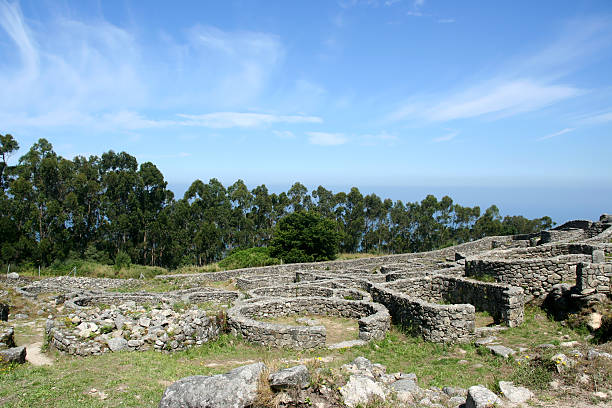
pixel 337 329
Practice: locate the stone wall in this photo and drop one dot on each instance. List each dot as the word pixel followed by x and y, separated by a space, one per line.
pixel 259 281
pixel 128 327
pixel 374 320
pixel 301 290
pixel 196 295
pixel 369 264
pixel 503 302
pixel 536 276
pixel 434 322
pixel 594 278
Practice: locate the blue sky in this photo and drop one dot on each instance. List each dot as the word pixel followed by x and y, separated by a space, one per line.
pixel 491 102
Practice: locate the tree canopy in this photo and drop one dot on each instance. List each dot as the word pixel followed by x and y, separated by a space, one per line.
pixel 305 236
pixel 53 208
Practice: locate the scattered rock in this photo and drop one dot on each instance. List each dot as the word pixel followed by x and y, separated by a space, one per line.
pixel 601 395
pixel 360 390
pixel 481 397
pixel 502 351
pixel 307 321
pixel 235 389
pixel 21 316
pixel 593 354
pixel 294 377
pixel 485 341
pixel 562 362
pixel 594 321
pixel 455 391
pixel 514 394
pixel 117 344
pixel 406 386
pixel 546 346
pixel 13 355
pixel 347 344
pixel 569 343
pixel 13 275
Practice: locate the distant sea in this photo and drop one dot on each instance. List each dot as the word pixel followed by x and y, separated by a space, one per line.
pixel 561 204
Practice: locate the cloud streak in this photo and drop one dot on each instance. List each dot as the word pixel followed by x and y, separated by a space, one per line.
pixel 559 133
pixel 523 84
pixel 221 120
pixel 446 138
pixel 326 139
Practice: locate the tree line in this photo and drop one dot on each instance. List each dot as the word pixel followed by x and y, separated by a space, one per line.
pixel 52 208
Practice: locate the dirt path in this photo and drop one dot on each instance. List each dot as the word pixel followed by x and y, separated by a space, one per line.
pixel 35 357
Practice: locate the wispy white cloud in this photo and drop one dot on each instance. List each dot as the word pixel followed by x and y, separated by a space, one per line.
pixel 504 98
pixel 97 75
pixel 222 120
pixel 559 133
pixel 379 138
pixel 596 118
pixel 326 139
pixel 446 20
pixel 284 134
pixel 129 120
pixel 447 137
pixel 526 83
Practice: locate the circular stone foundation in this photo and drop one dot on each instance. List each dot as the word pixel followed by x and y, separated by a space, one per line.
pixel 373 320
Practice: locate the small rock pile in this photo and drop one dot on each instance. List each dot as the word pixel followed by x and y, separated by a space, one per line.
pixel 130 327
pixel 367 383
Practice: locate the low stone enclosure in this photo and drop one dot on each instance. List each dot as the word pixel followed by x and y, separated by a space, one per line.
pixel 419 305
pixel 437 295
pixel 244 320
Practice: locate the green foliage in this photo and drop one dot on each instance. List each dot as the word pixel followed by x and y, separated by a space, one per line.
pixel 304 237
pixel 54 210
pixel 534 374
pixel 247 258
pixel 122 260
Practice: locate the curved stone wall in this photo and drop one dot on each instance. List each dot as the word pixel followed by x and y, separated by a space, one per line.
pixel 374 320
pixel 434 322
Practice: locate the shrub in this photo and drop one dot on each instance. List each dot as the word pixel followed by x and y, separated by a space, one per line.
pixel 122 260
pixel 248 258
pixel 304 237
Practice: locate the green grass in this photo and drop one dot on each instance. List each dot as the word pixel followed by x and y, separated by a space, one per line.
pixel 247 258
pixel 94 270
pixel 138 379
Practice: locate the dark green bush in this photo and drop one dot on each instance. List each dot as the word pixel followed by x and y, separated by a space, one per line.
pixel 305 237
pixel 248 258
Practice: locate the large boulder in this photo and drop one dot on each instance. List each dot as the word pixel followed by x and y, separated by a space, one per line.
pixel 481 397
pixel 360 390
pixel 293 377
pixel 13 355
pixel 514 394
pixel 117 344
pixel 235 389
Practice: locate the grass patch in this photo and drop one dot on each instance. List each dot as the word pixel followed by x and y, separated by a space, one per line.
pixel 484 319
pixel 337 328
pixel 94 270
pixel 138 379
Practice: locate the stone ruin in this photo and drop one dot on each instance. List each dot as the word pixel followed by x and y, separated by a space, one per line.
pixel 436 295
